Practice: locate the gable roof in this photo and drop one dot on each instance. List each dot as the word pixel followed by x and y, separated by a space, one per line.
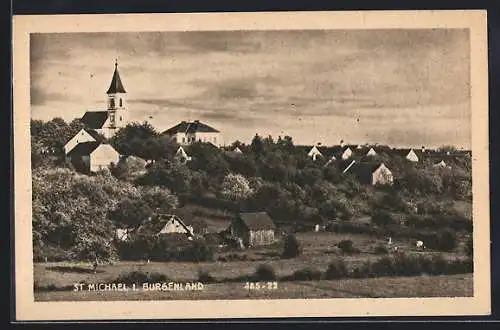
pixel 83 149
pixel 257 220
pixel 94 119
pixel 190 127
pixel 116 85
pixel 94 134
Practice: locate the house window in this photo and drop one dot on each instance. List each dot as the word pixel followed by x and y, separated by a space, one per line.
pixel 215 140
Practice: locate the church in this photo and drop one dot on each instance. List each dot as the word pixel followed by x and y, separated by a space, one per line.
pixel 107 122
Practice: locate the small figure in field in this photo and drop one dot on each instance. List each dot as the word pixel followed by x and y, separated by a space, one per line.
pixel 420 245
pixel 96 263
pixel 389 242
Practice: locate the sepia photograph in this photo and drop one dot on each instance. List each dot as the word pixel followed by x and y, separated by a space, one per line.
pixel 253 163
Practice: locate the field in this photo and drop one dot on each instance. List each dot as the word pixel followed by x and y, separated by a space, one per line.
pixel 319 251
pixel 389 287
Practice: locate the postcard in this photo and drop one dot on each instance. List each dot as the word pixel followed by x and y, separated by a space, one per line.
pixel 250 165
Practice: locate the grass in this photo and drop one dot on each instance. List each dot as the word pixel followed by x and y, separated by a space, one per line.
pixel 387 287
pixel 319 252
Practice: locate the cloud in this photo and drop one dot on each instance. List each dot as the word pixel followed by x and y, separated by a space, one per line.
pixel 273 80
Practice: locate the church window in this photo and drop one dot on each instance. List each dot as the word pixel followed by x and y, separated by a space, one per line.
pixel 121 104
pixel 121 118
pixel 183 140
pixel 112 103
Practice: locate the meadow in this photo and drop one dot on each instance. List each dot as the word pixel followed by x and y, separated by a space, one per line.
pixel 318 252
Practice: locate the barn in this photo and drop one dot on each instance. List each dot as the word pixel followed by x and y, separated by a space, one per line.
pixel 93 156
pixel 254 228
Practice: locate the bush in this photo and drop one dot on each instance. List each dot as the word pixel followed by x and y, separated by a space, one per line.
pixel 382 218
pixel 292 247
pixel 336 269
pixel 347 246
pixel 306 274
pixel 137 277
pixel 381 249
pixel 205 277
pixel 265 273
pixel 447 240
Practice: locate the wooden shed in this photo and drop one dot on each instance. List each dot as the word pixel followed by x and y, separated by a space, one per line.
pixel 254 228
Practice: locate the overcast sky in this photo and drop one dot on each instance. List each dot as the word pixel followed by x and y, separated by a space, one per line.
pixel 396 87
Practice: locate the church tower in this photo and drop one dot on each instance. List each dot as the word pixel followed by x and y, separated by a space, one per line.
pixel 116 103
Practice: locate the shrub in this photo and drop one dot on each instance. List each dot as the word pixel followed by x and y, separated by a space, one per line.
pixel 292 247
pixel 135 277
pixel 382 218
pixel 384 266
pixel 205 277
pixel 336 269
pixel 381 249
pixel 447 240
pixel 347 246
pixel 306 274
pixel 265 273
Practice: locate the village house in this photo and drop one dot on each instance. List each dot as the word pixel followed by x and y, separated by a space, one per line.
pixel 370 173
pixel 314 153
pixel 84 135
pixel 254 228
pixel 175 224
pixel 412 156
pixel 371 153
pixel 92 156
pixel 237 150
pixel 181 155
pixel 186 133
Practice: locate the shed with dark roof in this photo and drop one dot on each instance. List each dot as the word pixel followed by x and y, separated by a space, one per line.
pixel 253 228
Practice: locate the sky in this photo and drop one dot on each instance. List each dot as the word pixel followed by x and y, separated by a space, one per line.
pixel 404 88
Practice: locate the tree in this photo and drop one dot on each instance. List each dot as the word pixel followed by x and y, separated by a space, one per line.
pixel 236 187
pixel 129 139
pixel 131 213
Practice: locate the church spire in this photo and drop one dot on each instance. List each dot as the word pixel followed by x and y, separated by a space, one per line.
pixel 116 85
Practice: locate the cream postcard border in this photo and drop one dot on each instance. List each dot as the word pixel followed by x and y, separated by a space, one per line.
pixel 28 309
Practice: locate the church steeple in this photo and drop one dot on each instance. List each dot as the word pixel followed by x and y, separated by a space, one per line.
pixel 116 85
pixel 116 102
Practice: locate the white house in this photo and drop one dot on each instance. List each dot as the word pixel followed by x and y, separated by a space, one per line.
pixel 182 155
pixel 186 133
pixel 331 160
pixel 175 225
pixel 441 164
pixel 237 150
pixel 84 135
pixel 371 173
pixel 412 156
pixel 347 153
pixel 314 153
pixel 108 121
pixel 371 152
pixel 93 156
